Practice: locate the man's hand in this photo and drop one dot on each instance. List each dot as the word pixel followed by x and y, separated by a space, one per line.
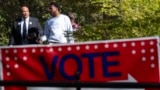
pixel 31 36
pixel 39 41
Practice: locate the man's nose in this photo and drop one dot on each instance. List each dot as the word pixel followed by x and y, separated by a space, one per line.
pixel 25 13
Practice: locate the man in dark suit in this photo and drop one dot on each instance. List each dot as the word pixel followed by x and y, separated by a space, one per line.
pixel 25 30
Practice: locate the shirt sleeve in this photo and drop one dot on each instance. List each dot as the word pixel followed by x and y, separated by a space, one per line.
pixel 69 25
pixel 70 30
pixel 11 38
pixel 46 32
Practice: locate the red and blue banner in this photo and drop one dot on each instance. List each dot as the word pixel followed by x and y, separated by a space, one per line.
pixel 132 60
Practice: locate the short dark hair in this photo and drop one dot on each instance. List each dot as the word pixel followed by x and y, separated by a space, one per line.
pixel 24 6
pixel 56 5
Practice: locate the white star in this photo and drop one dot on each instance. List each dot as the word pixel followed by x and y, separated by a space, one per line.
pixel 106 46
pixel 69 48
pixel 33 50
pixel 15 58
pixel 15 51
pixel 143 51
pixel 124 45
pixel 95 46
pixel 78 48
pixel 133 51
pixel 41 50
pixel 24 50
pixel 59 49
pixel 6 51
pixel 87 47
pixel 151 43
pixel 8 73
pixel 7 66
pixel 152 58
pixel 115 45
pixel 7 58
pixel 51 49
pixel 133 44
pixel 16 66
pixel 142 43
pixel 25 58
pixel 152 65
pixel 143 58
pixel 152 50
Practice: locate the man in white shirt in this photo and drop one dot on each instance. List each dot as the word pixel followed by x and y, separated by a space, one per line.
pixel 58 28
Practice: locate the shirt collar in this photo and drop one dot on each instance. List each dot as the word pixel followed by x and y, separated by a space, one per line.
pixel 27 19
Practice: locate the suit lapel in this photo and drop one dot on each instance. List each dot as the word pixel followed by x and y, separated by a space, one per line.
pixel 19 25
pixel 30 23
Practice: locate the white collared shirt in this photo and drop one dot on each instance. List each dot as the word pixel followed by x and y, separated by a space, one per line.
pixel 27 24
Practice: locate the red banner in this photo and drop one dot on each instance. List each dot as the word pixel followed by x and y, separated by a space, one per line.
pixel 125 60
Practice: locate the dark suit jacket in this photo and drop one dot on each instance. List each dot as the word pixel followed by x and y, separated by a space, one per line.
pixel 34 28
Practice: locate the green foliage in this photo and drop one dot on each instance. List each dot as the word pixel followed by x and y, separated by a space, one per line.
pixel 99 19
pixel 124 19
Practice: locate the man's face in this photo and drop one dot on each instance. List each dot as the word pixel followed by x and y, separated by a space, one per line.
pixel 53 10
pixel 25 12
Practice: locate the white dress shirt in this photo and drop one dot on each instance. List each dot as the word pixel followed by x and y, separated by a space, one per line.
pixel 27 24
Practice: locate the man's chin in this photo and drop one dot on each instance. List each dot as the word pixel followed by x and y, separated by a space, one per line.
pixel 25 16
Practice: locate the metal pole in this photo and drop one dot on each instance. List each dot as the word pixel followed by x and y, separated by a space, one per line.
pixel 78 80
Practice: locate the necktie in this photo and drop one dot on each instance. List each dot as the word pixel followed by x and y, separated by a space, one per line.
pixel 24 30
